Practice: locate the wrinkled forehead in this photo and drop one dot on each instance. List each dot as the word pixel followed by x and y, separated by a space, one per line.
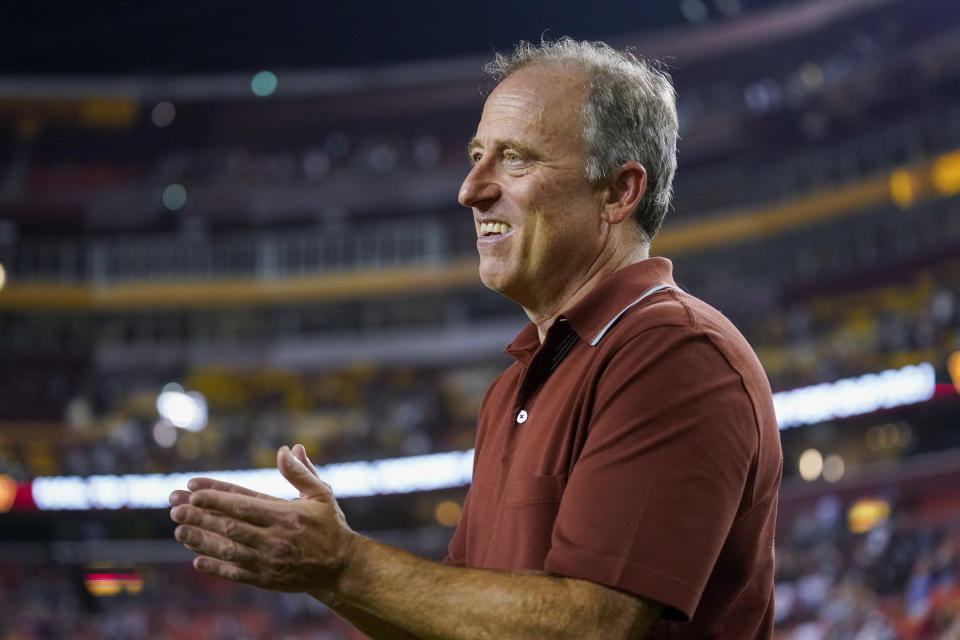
pixel 545 99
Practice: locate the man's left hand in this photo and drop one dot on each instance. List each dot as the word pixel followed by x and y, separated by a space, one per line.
pixel 241 535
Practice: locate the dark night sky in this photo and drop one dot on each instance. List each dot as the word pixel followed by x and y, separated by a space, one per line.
pixel 177 36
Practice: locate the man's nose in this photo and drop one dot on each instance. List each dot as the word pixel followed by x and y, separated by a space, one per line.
pixel 478 190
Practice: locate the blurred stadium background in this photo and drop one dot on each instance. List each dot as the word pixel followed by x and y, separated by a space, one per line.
pixel 226 226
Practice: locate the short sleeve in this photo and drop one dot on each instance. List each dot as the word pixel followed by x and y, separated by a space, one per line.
pixel 660 478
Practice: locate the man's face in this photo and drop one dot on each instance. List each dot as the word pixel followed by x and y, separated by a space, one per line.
pixel 537 216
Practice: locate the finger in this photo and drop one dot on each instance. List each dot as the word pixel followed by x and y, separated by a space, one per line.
pixel 240 506
pixel 229 571
pixel 196 484
pixel 179 497
pixel 308 484
pixel 300 453
pixel 210 544
pixel 224 526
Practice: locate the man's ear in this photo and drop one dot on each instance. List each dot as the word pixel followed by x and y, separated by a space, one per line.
pixel 624 191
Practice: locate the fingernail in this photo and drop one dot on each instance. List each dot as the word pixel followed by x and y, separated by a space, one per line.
pixel 182 534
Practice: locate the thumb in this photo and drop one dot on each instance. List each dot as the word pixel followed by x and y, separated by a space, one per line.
pixel 300 453
pixel 296 473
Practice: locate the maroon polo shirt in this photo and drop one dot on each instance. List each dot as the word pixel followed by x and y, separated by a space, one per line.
pixel 637 448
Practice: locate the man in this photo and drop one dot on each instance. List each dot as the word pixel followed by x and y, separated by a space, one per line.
pixel 627 464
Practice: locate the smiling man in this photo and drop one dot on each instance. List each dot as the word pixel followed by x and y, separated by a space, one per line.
pixel 627 464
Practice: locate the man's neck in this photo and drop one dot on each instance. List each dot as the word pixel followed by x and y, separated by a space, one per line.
pixel 545 315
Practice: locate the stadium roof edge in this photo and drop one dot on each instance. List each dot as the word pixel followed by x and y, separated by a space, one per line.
pixel 690 43
pixel 200 87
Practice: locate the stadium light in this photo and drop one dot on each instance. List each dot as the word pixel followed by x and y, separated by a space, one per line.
pixel 163 114
pixel 946 173
pixel 903 188
pixel 174 196
pixel 694 11
pixel 810 465
pixel 187 410
pixel 8 492
pixel 833 468
pixel 263 83
pixel 953 366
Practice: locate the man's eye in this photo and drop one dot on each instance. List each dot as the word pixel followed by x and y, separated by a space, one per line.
pixel 475 157
pixel 511 156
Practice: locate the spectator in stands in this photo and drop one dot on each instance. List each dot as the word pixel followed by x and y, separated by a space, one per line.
pixel 627 464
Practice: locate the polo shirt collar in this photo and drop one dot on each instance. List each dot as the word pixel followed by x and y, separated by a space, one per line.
pixel 593 314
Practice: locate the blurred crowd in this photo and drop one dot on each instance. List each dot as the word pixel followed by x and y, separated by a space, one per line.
pixel 51 602
pixel 828 337
pixel 358 413
pixel 898 580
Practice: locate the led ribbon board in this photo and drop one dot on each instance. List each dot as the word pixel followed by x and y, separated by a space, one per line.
pixel 855 396
pixel 348 479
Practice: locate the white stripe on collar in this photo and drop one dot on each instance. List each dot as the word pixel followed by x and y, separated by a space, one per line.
pixel 646 293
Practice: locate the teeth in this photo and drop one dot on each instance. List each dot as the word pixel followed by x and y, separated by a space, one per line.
pixel 488 228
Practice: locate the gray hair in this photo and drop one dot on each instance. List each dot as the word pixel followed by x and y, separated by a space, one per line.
pixel 630 114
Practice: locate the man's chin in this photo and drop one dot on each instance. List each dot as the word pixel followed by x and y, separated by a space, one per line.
pixel 493 278
pixel 507 287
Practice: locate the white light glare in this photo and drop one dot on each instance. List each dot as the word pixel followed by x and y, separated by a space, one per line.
pixel 348 479
pixel 855 396
pixel 3 276
pixel 810 465
pixel 833 468
pixel 187 410
pixel 694 11
pixel 164 434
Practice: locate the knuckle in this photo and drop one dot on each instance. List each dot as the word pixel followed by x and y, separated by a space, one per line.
pixel 233 573
pixel 241 511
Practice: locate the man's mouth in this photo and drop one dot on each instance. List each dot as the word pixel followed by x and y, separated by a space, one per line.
pixel 494 229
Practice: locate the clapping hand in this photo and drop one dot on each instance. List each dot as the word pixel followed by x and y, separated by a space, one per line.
pixel 249 537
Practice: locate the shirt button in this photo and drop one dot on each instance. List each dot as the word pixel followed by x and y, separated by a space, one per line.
pixel 522 416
